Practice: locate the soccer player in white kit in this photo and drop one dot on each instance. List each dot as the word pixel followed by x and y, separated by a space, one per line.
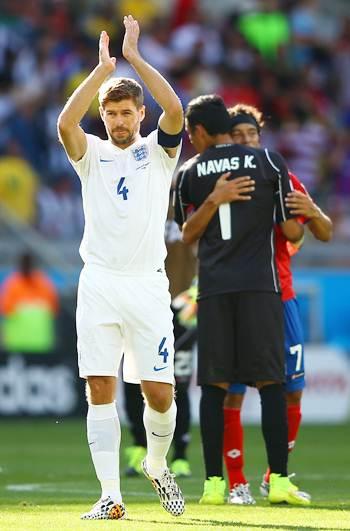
pixel 123 300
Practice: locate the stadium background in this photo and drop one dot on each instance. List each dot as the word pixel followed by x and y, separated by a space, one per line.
pixel 291 58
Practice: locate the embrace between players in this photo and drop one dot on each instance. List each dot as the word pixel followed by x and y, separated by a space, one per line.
pixel 123 307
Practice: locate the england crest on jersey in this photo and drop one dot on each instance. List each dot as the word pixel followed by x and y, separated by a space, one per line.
pixel 140 152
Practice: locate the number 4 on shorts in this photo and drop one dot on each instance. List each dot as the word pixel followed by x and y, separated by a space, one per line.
pixel 122 190
pixel 163 351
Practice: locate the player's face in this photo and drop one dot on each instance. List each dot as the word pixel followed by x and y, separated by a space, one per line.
pixel 196 137
pixel 246 134
pixel 122 121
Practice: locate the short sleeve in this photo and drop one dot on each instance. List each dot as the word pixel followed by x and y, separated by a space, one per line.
pixel 169 164
pixel 298 186
pixel 181 197
pixel 283 186
pixel 84 165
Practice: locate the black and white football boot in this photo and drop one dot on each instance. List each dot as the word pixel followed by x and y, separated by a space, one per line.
pixel 106 509
pixel 169 492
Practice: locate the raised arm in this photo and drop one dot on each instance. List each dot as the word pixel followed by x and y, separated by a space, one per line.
pixel 171 121
pixel 319 223
pixel 70 133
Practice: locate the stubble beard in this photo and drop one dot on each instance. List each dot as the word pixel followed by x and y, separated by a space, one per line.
pixel 123 142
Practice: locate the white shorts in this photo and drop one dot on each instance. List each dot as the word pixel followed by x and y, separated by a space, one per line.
pixel 125 314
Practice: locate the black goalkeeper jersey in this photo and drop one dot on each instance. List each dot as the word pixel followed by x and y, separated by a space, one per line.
pixel 245 261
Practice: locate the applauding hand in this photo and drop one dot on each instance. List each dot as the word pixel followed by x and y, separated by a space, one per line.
pixel 104 58
pixel 131 37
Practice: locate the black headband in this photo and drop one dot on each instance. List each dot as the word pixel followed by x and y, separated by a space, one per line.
pixel 244 118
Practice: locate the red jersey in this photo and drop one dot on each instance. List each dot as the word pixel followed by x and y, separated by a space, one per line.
pixel 283 255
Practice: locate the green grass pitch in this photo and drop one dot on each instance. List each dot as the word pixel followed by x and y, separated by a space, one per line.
pixel 47 480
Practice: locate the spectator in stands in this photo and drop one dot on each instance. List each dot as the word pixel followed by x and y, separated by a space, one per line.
pixel 18 184
pixel 312 29
pixel 203 46
pixel 28 305
pixel 197 40
pixel 304 142
pixel 342 64
pixel 154 46
pixel 267 30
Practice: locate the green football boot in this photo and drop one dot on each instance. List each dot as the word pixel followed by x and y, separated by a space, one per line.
pixel 214 491
pixel 134 456
pixel 282 490
pixel 181 468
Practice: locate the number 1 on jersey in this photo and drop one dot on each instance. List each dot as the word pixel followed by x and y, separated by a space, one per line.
pixel 225 221
pixel 122 190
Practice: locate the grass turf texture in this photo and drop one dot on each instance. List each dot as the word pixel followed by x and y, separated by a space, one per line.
pixel 47 481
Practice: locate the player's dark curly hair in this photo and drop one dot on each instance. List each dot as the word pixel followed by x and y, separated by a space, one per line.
pixel 249 110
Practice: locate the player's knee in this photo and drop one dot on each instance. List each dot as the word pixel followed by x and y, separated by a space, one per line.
pixel 100 389
pixel 233 401
pixel 293 398
pixel 159 396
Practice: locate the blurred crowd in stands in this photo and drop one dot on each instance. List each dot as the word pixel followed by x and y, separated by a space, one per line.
pixel 291 58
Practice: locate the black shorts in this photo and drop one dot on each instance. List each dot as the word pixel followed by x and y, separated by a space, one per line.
pixel 185 338
pixel 241 338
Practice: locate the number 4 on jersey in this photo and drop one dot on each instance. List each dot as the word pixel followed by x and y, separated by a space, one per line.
pixel 122 190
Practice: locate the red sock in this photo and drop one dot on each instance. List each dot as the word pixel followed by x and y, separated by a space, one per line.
pixel 233 446
pixel 294 420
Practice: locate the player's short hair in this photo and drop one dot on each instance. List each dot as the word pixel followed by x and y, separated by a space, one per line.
pixel 209 111
pixel 242 113
pixel 121 88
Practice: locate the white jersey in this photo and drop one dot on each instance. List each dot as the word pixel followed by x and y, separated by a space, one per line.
pixel 125 199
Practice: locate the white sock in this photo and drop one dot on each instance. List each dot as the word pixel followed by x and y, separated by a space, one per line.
pixel 160 429
pixel 103 432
